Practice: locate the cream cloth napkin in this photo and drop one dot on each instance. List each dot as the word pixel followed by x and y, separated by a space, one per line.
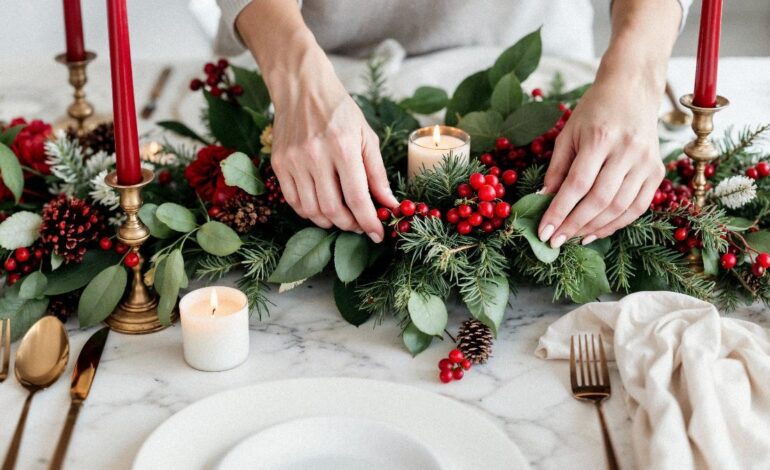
pixel 697 385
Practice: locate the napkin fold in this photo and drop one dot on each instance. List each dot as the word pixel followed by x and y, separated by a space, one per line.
pixel 696 384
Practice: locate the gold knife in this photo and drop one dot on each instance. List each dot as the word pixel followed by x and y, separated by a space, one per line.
pixel 82 379
pixel 157 89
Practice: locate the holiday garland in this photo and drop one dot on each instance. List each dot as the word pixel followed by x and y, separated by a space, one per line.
pixel 464 229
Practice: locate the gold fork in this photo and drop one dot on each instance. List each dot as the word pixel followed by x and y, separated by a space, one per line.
pixel 5 346
pixel 591 382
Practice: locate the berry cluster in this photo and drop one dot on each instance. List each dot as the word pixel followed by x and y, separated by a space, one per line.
pixel 453 367
pixel 759 264
pixel 685 169
pixel 274 196
pixel 670 197
pixel 538 151
pixel 759 171
pixel 400 217
pixel 686 238
pixel 217 82
pixel 22 262
pixel 480 204
pixel 131 259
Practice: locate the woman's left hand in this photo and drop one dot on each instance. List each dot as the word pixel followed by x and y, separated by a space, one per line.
pixel 606 162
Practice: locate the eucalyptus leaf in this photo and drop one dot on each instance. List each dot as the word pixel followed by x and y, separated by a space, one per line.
pixel 760 240
pixel 255 94
pixel 531 206
pixel 739 224
pixel 427 312
pixel 472 94
pixel 529 121
pixel 351 253
pixel 10 172
pixel 218 239
pixel 522 58
pixel 490 307
pixel 541 250
pixel 20 230
pixel 170 277
pixel 9 135
pixel 349 304
pixel 71 277
pixel 307 253
pixel 601 245
pixel 483 127
pixel 22 312
pixel 507 95
pixel 415 340
pixel 176 217
pixel 101 295
pixel 232 126
pixel 594 282
pixel 426 100
pixel 240 171
pixel 181 129
pixel 56 261
pixel 148 216
pixel 33 286
pixel 710 262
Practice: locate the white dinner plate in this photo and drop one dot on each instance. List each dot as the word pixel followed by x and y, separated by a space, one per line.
pixel 199 436
pixel 331 443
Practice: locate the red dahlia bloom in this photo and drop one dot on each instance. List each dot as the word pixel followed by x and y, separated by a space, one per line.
pixel 205 175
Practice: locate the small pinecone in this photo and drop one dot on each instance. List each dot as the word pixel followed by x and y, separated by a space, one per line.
pixel 100 138
pixel 475 341
pixel 243 213
pixel 63 306
pixel 69 226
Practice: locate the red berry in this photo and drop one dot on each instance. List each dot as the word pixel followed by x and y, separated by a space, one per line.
pixel 445 364
pixel 26 269
pixel 456 356
pixel 22 254
pixel 499 190
pixel 131 260
pixel 466 364
pixel 408 208
pixel 659 197
pixel 464 211
pixel 537 93
pixel 458 373
pixel 196 84
pixel 464 190
pixel 757 270
pixel 491 180
pixel 763 168
pixel 13 278
pixel 215 91
pixel 212 80
pixel 383 214
pixel 236 90
pixel 502 210
pixel 497 222
pixel 510 177
pixel 105 243
pixel 763 259
pixel 210 68
pixel 404 226
pixel 728 261
pixel 422 209
pixel 475 219
pixel 486 209
pixel 434 213
pixel 502 143
pixel 396 211
pixel 487 159
pixel 477 180
pixel 121 248
pixel 710 169
pixel 464 228
pixel 38 254
pixel 487 226
pixel 452 216
pixel 10 264
pixel 222 64
pixel 487 193
pixel 214 211
pixel 752 173
pixel 494 171
pixel 164 177
pixel 537 147
pixel 445 376
pixel 680 234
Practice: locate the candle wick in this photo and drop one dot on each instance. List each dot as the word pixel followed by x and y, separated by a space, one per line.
pixel 213 311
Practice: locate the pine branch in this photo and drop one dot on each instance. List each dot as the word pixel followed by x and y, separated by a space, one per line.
pixel 731 146
pixel 621 267
pixel 255 294
pixel 530 180
pixel 556 87
pixel 375 79
pixel 436 186
pixel 665 263
pixel 259 258
pixel 213 268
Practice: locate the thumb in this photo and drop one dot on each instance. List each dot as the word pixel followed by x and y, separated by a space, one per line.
pixel 375 172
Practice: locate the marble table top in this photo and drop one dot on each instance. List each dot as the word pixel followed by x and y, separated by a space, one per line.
pixel 143 380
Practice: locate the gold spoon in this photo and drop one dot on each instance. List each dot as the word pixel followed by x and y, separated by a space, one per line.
pixel 676 118
pixel 40 360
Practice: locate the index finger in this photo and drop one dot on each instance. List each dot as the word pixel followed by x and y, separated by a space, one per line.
pixel 356 193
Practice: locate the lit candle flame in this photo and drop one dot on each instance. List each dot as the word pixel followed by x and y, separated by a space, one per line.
pixel 213 301
pixel 436 135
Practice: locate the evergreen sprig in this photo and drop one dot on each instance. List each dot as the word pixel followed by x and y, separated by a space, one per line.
pixel 436 186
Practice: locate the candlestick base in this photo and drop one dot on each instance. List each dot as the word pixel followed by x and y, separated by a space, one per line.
pixel 137 313
pixel 701 149
pixel 80 113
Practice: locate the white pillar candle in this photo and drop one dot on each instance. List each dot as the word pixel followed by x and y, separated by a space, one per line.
pixel 215 328
pixel 428 145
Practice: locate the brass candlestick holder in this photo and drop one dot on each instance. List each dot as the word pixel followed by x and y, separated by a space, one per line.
pixel 80 113
pixel 701 149
pixel 137 313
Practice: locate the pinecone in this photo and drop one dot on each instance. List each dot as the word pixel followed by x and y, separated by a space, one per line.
pixel 100 138
pixel 69 226
pixel 63 306
pixel 244 212
pixel 475 341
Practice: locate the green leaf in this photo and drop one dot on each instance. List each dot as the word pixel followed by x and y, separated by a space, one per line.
pixel 710 262
pixel 595 281
pixel 541 250
pixel 415 340
pixel 9 135
pixel 240 171
pixel 56 261
pixel 351 253
pixel 472 94
pixel 426 100
pixel 232 126
pixel 218 239
pixel 395 117
pixel 33 286
pixel 101 295
pixel 601 245
pixel 348 303
pixel 484 128
pixel 507 95
pixel 490 308
pixel 169 278
pixel 261 120
pixel 10 172
pixel 739 224
pixel 428 313
pixel 74 276
pixel 522 59
pixel 20 229
pixel 176 217
pixel 182 130
pixel 531 206
pixel 572 95
pixel 306 254
pixel 529 121
pixel 760 240
pixel 255 94
pixel 22 312
pixel 148 215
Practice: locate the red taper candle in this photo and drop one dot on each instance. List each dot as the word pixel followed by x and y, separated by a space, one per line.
pixel 73 31
pixel 123 108
pixel 705 94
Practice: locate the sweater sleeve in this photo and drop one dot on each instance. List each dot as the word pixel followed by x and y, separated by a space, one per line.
pixel 228 41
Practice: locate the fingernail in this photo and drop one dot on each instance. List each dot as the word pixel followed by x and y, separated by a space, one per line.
pixel 543 190
pixel 359 231
pixel 588 239
pixel 376 238
pixel 546 233
pixel 558 241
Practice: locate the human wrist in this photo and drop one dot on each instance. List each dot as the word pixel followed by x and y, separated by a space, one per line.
pixel 636 67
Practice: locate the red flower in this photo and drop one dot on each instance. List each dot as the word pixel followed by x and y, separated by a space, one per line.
pixel 205 175
pixel 29 144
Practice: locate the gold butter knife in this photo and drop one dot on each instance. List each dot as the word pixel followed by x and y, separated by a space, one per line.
pixel 157 89
pixel 82 379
